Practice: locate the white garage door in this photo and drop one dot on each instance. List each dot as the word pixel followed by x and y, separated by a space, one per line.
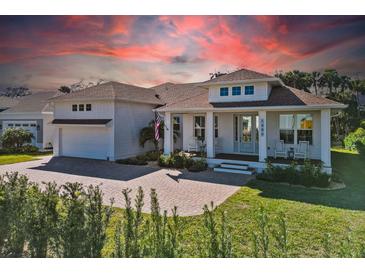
pixel 85 142
pixel 30 126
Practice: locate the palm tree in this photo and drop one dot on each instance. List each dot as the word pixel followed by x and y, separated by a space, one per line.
pixel 357 86
pixel 147 134
pixel 329 79
pixel 315 76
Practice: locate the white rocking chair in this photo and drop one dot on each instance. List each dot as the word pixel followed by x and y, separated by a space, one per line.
pixel 302 150
pixel 193 145
pixel 280 149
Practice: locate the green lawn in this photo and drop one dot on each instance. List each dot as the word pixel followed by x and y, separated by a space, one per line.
pixel 310 213
pixel 7 159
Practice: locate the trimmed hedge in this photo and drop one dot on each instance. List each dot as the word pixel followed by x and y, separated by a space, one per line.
pixel 309 175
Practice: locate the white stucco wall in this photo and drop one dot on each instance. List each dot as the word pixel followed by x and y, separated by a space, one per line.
pixel 130 118
pixel 49 130
pixel 261 92
pixel 99 110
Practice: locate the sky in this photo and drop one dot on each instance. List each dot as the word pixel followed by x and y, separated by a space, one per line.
pixel 45 52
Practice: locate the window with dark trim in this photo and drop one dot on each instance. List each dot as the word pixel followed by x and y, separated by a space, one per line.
pixel 304 128
pixel 215 126
pixel 224 91
pixel 249 90
pixel 74 107
pixel 236 91
pixel 81 107
pixel 88 107
pixel 176 121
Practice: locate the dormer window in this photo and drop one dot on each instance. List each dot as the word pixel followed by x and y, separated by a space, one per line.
pixel 224 91
pixel 249 90
pixel 236 91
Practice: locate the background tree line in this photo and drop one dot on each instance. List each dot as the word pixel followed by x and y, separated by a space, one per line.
pixel 335 86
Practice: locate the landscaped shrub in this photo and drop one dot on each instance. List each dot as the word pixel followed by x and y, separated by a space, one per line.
pixel 198 165
pixel 354 138
pixel 152 155
pixel 14 138
pixel 307 174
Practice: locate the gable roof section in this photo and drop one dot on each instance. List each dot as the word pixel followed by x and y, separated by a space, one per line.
pixel 238 75
pixel 113 91
pixel 279 96
pixel 34 102
pixel 170 93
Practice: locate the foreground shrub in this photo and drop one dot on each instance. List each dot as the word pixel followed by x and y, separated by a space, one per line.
pixel 152 155
pixel 180 160
pixel 307 174
pixel 198 165
pixel 153 236
pixel 50 222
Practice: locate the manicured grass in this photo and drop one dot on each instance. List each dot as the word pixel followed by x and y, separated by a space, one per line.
pixel 310 213
pixel 7 159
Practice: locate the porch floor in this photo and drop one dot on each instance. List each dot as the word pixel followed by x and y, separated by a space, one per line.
pixel 255 158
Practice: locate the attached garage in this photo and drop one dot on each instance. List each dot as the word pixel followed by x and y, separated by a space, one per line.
pixel 84 141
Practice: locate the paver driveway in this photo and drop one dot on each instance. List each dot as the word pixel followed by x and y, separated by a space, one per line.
pixel 187 190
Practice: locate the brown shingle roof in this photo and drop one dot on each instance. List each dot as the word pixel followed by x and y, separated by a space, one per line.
pixel 170 93
pixel 279 96
pixel 114 90
pixel 238 75
pixel 34 102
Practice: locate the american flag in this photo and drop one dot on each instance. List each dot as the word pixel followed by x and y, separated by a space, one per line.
pixel 157 126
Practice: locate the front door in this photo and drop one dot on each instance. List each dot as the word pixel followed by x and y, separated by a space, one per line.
pixel 245 133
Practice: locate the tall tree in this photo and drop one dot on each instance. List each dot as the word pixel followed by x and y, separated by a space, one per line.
pixel 15 92
pixel 296 79
pixel 65 89
pixel 330 80
pixel 315 76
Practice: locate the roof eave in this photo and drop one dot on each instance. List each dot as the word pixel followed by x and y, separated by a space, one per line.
pixel 270 79
pixel 268 108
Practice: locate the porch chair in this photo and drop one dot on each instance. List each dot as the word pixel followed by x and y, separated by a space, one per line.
pixel 193 145
pixel 302 150
pixel 217 144
pixel 280 149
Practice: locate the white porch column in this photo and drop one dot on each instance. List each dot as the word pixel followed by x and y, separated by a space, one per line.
pixel 262 136
pixel 326 137
pixel 209 134
pixel 167 140
pixel 57 142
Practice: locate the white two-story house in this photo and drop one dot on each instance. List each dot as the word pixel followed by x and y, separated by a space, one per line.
pixel 246 117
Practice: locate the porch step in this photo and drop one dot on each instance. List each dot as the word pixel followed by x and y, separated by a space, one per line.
pixel 234 166
pixel 239 169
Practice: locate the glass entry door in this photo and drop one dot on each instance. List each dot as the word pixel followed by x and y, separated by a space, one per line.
pixel 245 133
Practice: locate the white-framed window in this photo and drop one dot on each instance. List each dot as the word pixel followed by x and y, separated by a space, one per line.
pixel 199 126
pixel 296 127
pixel 249 90
pixel 236 91
pixel 223 91
pixel 74 107
pixel 81 107
pixel 88 107
pixel 216 127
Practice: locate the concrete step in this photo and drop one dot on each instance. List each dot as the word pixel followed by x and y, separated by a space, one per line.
pixel 234 166
pixel 249 171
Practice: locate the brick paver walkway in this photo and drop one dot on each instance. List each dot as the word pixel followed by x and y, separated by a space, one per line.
pixel 187 190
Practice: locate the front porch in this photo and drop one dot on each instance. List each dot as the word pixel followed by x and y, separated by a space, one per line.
pixel 250 137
